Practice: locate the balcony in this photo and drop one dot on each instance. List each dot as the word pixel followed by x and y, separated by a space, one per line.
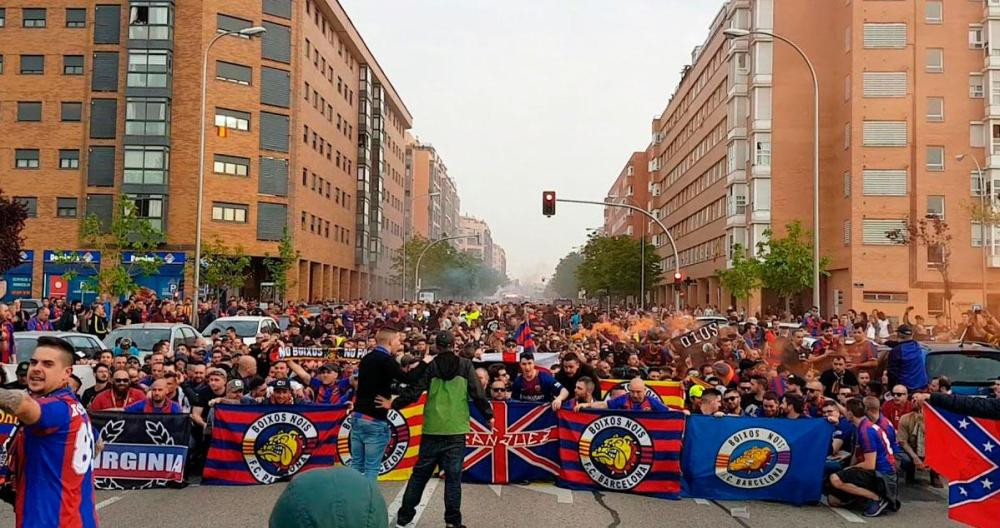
pixel 992 10
pixel 992 60
pixel 736 176
pixel 736 215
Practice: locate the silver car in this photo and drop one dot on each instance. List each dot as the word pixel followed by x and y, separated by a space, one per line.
pixel 145 335
pixel 88 344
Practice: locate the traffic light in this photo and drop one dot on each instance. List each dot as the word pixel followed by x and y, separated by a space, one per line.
pixel 677 281
pixel 549 203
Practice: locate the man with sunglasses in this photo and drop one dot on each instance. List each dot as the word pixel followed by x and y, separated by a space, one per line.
pixel 121 395
pixel 499 391
pixel 899 405
pixel 731 403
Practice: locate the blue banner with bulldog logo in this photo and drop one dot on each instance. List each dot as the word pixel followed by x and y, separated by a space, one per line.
pixel 736 458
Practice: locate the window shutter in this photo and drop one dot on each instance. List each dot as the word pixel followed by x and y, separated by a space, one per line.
pixel 275 87
pixel 884 182
pixel 236 72
pixel 101 167
pixel 891 36
pixel 101 206
pixel 103 118
pixel 273 176
pixel 72 111
pixel 276 44
pixel 876 232
pixel 29 111
pixel 280 8
pixel 33 62
pixel 847 232
pixel 885 84
pixel 105 77
pixel 271 221
pixel 230 23
pixel 274 131
pixel 884 133
pixel 107 24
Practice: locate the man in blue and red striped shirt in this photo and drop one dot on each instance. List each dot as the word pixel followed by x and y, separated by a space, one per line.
pixel 53 454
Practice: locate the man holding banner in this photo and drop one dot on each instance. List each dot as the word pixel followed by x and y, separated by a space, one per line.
pixel 637 399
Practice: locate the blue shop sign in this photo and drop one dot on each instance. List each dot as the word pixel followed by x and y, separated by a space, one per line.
pixel 165 258
pixel 168 280
pixel 69 256
pixel 16 282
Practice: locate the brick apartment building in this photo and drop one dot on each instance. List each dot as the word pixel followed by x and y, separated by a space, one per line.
pixel 433 216
pixel 905 87
pixel 632 187
pixel 102 99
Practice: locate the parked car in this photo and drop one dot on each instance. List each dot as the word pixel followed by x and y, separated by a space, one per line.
pixel 971 367
pixel 31 305
pixel 145 335
pixel 84 372
pixel 87 344
pixel 247 326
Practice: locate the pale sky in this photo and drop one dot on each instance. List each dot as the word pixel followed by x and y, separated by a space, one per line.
pixel 521 96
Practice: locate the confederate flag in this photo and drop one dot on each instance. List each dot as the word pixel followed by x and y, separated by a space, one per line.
pixel 967 452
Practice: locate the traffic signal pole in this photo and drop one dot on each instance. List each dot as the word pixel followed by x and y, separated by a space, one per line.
pixel 677 260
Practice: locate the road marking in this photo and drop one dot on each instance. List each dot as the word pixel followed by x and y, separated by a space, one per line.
pixel 424 499
pixel 703 502
pixel 496 488
pixel 109 501
pixel 563 496
pixel 848 515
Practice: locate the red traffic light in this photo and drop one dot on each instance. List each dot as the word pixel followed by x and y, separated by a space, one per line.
pixel 677 277
pixel 549 203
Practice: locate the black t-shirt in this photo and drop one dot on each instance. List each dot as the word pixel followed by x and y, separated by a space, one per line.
pixel 202 396
pixel 569 382
pixel 91 393
pixel 829 378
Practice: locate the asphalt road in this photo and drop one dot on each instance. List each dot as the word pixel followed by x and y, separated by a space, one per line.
pixel 538 505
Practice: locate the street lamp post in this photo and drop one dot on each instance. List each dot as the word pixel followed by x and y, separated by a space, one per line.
pixel 406 235
pixel 249 32
pixel 416 269
pixel 982 225
pixel 733 33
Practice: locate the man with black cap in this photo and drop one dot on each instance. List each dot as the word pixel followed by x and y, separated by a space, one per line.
pixel 21 383
pixel 450 381
pixel 906 362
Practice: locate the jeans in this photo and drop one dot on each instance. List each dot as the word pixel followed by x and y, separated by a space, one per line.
pixel 448 452
pixel 369 439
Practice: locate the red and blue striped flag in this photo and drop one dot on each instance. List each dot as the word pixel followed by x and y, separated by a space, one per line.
pixel 525 337
pixel 261 444
pixel 629 451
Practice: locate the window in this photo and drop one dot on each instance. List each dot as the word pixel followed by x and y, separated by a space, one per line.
pixel 884 133
pixel 884 84
pixel 847 232
pixel 148 68
pixel 762 58
pixel 33 17
pixel 231 165
pixel 30 203
pixel 886 36
pixel 977 234
pixel 66 207
pixel 147 117
pixel 32 64
pixel 69 159
pixel 227 212
pixel 29 111
pixel 975 37
pixel 885 297
pixel 935 206
pixel 1 62
pixel 978 184
pixel 935 303
pixel 153 21
pixel 76 18
pixel 232 24
pixel 146 165
pixel 237 73
pixel 233 119
pixel 71 111
pixel 882 232
pixel 762 150
pixel 3 17
pixel 847 183
pixel 977 135
pixel 935 255
pixel 884 182
pixel 149 207
pixel 935 158
pixel 933 11
pixel 935 109
pixel 847 135
pixel 975 85
pixel 26 158
pixel 72 64
pixel 934 62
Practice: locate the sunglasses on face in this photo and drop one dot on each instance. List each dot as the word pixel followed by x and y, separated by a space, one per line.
pixel 498 389
pixel 122 380
pixel 899 394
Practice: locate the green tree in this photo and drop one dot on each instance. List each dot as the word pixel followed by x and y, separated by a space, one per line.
pixel 279 265
pixel 613 264
pixel 743 277
pixel 564 282
pixel 13 215
pixel 932 232
pixel 443 268
pixel 786 263
pixel 222 267
pixel 126 232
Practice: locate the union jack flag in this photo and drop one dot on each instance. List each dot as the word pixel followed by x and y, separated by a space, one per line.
pixel 523 445
pixel 966 451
